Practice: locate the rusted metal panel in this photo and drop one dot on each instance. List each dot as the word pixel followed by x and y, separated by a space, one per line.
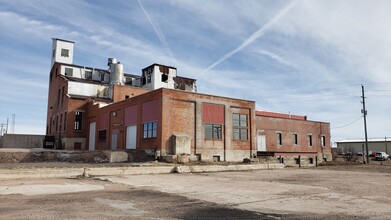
pixel 103 121
pixel 150 111
pixel 212 113
pixel 131 115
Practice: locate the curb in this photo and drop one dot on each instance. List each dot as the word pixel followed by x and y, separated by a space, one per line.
pixel 118 171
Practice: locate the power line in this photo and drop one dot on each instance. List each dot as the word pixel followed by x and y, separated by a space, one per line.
pixel 349 123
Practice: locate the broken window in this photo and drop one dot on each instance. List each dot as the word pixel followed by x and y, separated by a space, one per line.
pixel 309 140
pixel 88 74
pixel 164 78
pixel 68 72
pixel 150 129
pixel 279 138
pixel 78 120
pixel 295 139
pixel 149 78
pixel 213 131
pixel 323 140
pixel 128 81
pixel 64 53
pixel 240 128
pixel 102 135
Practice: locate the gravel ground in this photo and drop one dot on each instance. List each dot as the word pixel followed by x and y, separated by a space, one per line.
pixel 327 192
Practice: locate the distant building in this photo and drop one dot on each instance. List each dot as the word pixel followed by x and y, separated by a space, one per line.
pixel 159 111
pixel 356 145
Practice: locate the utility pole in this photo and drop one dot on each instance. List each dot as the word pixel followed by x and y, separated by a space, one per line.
pixel 385 141
pixel 364 111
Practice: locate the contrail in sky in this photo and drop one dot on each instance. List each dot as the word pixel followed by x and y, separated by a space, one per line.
pixel 158 32
pixel 253 37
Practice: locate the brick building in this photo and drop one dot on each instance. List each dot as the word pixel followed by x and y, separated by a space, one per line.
pixel 161 112
pixel 292 138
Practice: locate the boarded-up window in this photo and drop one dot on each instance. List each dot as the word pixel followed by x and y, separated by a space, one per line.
pixel 131 115
pixel 212 113
pixel 150 111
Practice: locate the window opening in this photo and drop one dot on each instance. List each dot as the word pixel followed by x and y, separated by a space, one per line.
pixel 310 140
pixel 279 138
pixel 213 131
pixel 150 129
pixel 64 53
pixel 295 141
pixel 78 120
pixel 102 135
pixel 68 72
pixel 240 126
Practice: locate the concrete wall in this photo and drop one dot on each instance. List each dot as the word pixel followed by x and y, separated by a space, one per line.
pixel 27 141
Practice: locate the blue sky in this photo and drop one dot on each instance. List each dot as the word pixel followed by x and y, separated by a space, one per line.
pixel 299 57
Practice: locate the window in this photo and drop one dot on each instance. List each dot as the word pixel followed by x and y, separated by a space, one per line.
pixel 213 131
pixel 64 53
pixel 102 77
pixel 54 53
pixel 148 77
pixel 279 138
pixel 127 96
pixel 294 139
pixel 78 120
pixel 311 160
pixel 323 140
pixel 102 136
pixel 128 81
pixel 164 77
pixel 150 129
pixel 240 128
pixel 88 74
pixel 68 72
pixel 309 140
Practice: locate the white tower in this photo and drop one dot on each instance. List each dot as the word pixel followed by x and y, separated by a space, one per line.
pixel 62 51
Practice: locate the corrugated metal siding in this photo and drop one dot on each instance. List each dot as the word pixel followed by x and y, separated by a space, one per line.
pixel 131 115
pixel 212 113
pixel 103 121
pixel 150 111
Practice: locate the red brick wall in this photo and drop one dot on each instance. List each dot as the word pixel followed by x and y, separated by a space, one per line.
pixel 269 126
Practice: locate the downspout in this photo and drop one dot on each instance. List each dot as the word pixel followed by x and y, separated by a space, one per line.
pixel 225 138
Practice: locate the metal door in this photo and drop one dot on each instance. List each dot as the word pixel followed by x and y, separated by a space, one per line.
pixel 261 140
pixel 131 137
pixel 91 145
pixel 114 142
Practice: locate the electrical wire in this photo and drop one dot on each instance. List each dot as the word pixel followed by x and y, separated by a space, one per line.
pixel 348 124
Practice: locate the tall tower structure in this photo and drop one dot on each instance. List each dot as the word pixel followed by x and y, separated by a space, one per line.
pixel 62 51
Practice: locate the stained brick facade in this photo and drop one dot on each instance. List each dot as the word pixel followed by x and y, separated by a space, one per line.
pixel 299 137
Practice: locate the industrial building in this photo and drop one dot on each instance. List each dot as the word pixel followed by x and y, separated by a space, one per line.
pixel 161 112
pixel 358 145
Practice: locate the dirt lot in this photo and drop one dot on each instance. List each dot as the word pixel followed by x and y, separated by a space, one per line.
pixel 327 192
